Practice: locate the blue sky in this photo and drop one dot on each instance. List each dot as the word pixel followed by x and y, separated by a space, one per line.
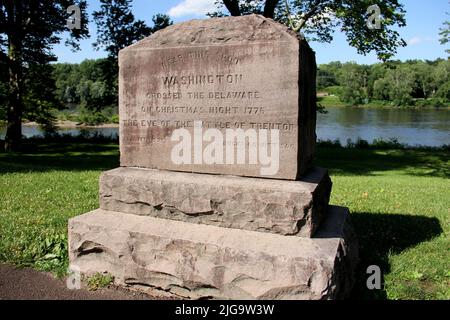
pixel 424 18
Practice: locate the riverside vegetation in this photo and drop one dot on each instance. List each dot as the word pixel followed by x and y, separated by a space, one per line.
pixel 413 83
pixel 86 93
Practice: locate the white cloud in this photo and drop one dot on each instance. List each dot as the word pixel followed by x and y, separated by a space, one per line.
pixel 192 7
pixel 418 40
pixel 414 41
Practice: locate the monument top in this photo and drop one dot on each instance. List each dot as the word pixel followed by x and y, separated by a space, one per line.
pixel 217 31
pixel 233 95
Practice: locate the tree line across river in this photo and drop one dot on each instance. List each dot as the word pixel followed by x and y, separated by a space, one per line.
pixel 87 92
pixel 411 83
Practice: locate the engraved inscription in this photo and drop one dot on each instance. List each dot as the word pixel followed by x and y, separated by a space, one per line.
pixel 220 87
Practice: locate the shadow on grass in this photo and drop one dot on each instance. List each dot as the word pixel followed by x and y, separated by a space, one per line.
pixel 420 162
pixel 61 156
pixel 382 234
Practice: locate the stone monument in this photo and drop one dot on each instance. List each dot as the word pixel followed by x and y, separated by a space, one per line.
pixel 216 196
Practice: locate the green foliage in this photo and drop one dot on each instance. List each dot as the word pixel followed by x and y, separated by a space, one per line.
pixel 160 21
pixel 49 253
pixel 445 34
pixel 91 118
pixel 441 80
pixel 333 90
pixel 331 101
pixel 380 144
pixel 98 87
pixel 117 27
pixel 28 31
pixel 42 23
pixel 433 102
pixel 90 84
pixel 400 82
pixel 319 19
pixel 99 281
pixel 353 79
pixel 414 82
pixel 327 75
pixel 92 93
pixel 39 100
pixel 114 118
pixel 423 78
pixel 3 90
pixel 242 7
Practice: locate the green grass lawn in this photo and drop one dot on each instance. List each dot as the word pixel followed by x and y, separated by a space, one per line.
pixel 334 101
pixel 331 101
pixel 400 203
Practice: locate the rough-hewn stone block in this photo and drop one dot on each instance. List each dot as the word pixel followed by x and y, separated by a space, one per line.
pixel 198 261
pixel 268 205
pixel 246 73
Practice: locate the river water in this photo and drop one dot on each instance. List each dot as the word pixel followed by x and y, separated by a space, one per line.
pixel 429 127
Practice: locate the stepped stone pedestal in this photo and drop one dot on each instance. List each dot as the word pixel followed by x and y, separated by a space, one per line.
pixel 266 205
pixel 195 261
pixel 193 214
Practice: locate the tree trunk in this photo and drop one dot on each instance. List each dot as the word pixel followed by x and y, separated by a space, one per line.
pixel 233 7
pixel 269 8
pixel 15 110
pixel 424 91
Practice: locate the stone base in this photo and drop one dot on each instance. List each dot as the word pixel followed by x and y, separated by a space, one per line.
pixel 204 261
pixel 255 204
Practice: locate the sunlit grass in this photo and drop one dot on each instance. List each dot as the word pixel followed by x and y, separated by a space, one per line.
pixel 400 204
pixel 399 199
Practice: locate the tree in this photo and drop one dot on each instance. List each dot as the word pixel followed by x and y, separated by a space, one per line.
pixel 353 79
pixel 28 30
pixel 86 85
pixel 377 71
pixel 325 79
pixel 414 82
pixel 160 21
pixel 441 78
pixel 242 7
pixel 117 27
pixel 400 84
pixel 319 19
pixel 237 8
pixel 327 74
pixel 40 96
pixel 423 75
pixel 3 89
pixel 445 34
pixel 380 89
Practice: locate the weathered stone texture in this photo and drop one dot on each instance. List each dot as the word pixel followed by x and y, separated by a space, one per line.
pixel 246 73
pixel 203 261
pixel 205 225
pixel 267 205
